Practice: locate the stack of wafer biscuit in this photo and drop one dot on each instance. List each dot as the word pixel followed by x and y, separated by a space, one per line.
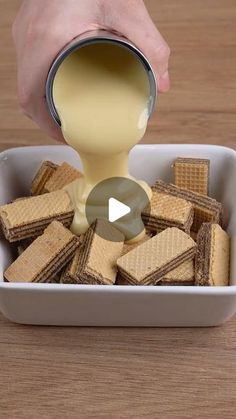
pixel 29 217
pixel 184 243
pixel 171 206
pixel 95 260
pixel 45 257
pixel 166 210
pixel 206 209
pixel 149 262
pixel 213 256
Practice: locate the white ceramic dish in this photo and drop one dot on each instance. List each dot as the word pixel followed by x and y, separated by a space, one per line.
pixel 84 305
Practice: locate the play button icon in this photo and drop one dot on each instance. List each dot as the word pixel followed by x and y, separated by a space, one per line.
pixel 120 201
pixel 117 210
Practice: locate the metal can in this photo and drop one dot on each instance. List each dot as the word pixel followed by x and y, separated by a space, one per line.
pixel 95 37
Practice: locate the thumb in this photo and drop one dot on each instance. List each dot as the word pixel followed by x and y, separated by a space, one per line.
pixel 136 25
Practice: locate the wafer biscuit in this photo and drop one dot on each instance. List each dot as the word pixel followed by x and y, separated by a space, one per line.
pixel 152 260
pixel 61 177
pixel 183 275
pixel 28 218
pixel 206 209
pixel 192 174
pixel 95 260
pixel 168 211
pixel 42 176
pixel 213 255
pixel 45 257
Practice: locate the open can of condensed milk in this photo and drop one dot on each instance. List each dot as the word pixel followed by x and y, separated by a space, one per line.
pixel 96 37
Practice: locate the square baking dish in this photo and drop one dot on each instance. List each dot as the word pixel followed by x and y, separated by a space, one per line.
pixel 96 305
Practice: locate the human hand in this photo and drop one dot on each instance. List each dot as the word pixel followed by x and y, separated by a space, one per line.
pixel 42 28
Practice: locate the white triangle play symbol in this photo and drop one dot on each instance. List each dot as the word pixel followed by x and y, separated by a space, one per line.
pixel 117 210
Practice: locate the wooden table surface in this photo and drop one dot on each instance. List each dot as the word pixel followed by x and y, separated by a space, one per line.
pixel 48 372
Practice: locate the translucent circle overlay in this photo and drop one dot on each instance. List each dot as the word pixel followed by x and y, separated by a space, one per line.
pixel 127 192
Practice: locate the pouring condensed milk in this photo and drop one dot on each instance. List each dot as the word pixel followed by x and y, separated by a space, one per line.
pixel 101 90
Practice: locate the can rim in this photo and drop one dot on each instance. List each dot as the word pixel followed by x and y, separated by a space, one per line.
pixel 73 46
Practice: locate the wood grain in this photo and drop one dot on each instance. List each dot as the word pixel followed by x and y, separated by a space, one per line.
pixel 49 372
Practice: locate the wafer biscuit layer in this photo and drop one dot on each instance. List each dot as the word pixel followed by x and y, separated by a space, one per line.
pixel 192 174
pixel 45 257
pixel 27 218
pixel 42 176
pixel 213 256
pixel 95 260
pixel 61 177
pixel 168 211
pixel 206 209
pixel 152 260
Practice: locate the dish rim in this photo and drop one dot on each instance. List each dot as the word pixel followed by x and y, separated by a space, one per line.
pixel 164 289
